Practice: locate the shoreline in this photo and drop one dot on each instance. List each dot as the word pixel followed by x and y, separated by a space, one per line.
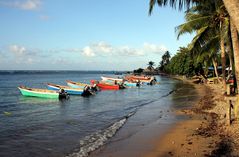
pixel 205 133
pixel 145 140
pixel 202 133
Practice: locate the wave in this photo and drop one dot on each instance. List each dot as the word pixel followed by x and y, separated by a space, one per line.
pixel 94 141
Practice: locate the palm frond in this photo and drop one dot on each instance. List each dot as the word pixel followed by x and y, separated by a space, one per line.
pixel 180 4
pixel 192 25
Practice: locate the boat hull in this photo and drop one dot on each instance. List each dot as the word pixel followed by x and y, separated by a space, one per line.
pixel 70 91
pixel 111 79
pixel 131 84
pixel 73 84
pixel 105 86
pixel 32 93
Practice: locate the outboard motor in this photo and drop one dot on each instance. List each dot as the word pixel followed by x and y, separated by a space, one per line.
pixel 87 91
pixel 138 83
pixel 122 86
pixel 94 88
pixel 63 94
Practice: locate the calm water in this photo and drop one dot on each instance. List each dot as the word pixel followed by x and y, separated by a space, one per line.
pixel 47 127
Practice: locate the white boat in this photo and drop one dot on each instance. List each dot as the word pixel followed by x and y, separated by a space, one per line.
pixel 104 78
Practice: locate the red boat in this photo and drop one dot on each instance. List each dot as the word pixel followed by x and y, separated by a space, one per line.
pixel 105 86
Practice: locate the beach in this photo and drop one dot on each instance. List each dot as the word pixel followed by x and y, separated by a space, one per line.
pixel 202 132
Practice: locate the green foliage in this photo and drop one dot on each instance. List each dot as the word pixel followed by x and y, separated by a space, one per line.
pixel 151 65
pixel 183 63
pixel 138 71
pixel 164 62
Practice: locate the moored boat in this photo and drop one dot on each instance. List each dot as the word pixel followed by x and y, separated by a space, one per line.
pixel 142 79
pixel 42 93
pixel 131 84
pixel 69 90
pixel 104 78
pixel 73 84
pixel 105 86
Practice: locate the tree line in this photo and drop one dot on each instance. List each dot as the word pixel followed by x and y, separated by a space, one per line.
pixel 216 25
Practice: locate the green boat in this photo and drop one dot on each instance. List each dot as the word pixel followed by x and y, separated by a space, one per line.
pixel 42 93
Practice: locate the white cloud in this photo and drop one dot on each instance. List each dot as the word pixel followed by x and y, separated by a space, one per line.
pixel 105 49
pixel 148 47
pixel 17 50
pixel 88 51
pixel 102 47
pixel 23 4
pixel 21 54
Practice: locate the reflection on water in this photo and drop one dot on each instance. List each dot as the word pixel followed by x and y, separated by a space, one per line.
pixel 37 101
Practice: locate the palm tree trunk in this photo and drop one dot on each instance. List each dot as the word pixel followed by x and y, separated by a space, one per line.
pixel 215 67
pixel 231 63
pixel 235 44
pixel 223 59
pixel 233 10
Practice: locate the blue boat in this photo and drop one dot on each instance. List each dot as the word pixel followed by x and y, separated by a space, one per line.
pixel 131 84
pixel 69 90
pixel 73 84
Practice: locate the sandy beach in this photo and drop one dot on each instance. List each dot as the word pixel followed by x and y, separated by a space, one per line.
pixel 204 132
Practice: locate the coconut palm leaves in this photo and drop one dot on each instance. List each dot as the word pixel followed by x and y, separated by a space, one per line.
pixel 211 27
pixel 173 3
pixel 231 5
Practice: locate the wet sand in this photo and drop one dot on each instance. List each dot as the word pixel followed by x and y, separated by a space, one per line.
pixel 203 133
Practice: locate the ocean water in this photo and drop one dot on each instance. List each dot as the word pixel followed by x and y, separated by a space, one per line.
pixel 49 127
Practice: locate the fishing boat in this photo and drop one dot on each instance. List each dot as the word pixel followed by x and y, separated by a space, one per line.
pixel 104 78
pixel 122 83
pixel 73 84
pixel 142 79
pixel 131 84
pixel 42 93
pixel 69 90
pixel 105 85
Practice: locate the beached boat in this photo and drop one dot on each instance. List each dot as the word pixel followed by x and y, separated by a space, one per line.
pixel 105 85
pixel 73 84
pixel 42 93
pixel 69 90
pixel 104 78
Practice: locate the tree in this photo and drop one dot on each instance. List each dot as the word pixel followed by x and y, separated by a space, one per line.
pixel 235 44
pixel 138 71
pixel 151 65
pixel 184 63
pixel 231 5
pixel 210 21
pixel 165 61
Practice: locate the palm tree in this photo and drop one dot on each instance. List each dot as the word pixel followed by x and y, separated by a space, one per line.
pixel 235 44
pixel 210 21
pixel 231 5
pixel 151 65
pixel 233 10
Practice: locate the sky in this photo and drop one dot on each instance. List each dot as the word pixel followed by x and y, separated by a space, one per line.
pixel 86 34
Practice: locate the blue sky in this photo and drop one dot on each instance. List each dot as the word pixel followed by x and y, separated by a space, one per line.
pixel 85 34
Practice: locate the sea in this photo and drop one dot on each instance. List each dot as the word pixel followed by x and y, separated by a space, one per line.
pixel 39 127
